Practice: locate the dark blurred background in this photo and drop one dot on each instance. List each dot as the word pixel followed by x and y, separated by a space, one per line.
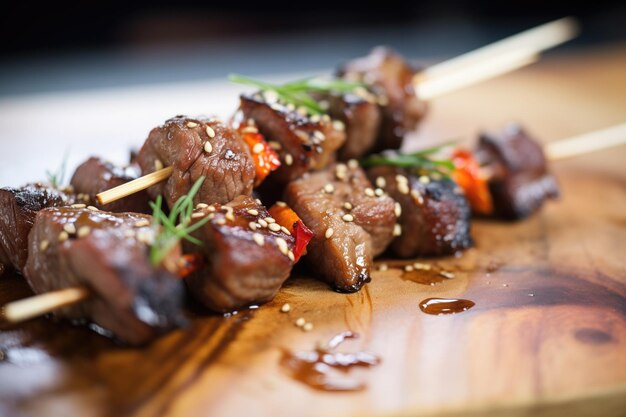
pixel 58 47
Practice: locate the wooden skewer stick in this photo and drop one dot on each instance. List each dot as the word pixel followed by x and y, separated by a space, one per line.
pixel 41 304
pixel 507 62
pixel 586 143
pixel 534 41
pixel 134 186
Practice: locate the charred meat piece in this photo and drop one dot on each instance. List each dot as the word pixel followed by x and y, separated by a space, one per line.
pixel 520 181
pixel 390 77
pixel 435 216
pixel 96 175
pixel 361 118
pixel 304 142
pixel 195 148
pixel 248 255
pixel 107 253
pixel 18 208
pixel 351 221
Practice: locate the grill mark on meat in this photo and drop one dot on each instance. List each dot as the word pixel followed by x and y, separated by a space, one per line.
pixel 345 258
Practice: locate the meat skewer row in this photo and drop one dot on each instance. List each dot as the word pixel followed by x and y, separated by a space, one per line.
pixel 372 119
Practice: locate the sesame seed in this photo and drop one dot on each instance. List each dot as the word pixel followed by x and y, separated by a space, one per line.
pixel 319 135
pixel 302 135
pixel 397 209
pixel 256 200
pixel 263 223
pixel 250 122
pixel 383 267
pixel 92 208
pixel 422 266
pixel 258 239
pixel 191 125
pixel 446 274
pixel 197 215
pixel 129 233
pixel 397 230
pixel 253 212
pixel 282 245
pixel 285 308
pixel 347 205
pixel 275 145
pixel 288 159
pixel 369 192
pixel 307 327
pixel 505 285
pixel 329 188
pixel 63 236
pixel 347 217
pixel 252 225
pixel 70 228
pixel 230 216
pixel 257 148
pixel 300 322
pixel 291 256
pixel 285 230
pixel 353 164
pixel 329 232
pixel 202 205
pixel 44 245
pixel 145 236
pixel 409 268
pixel 402 178
pixel 270 220
pixel 210 132
pixel 274 227
pixel 83 231
pixel 281 204
pixel 142 223
pixel 158 165
pixel 379 192
pixel 78 206
pixel 403 187
pixel 424 179
pixel 339 125
pixel 417 197
pixel 531 294
pixel 316 118
pixel 221 221
pixel 211 208
pixel 381 182
pixel 208 148
pixel 250 129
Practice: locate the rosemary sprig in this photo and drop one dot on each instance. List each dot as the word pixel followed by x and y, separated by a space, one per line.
pixel 422 161
pixel 57 178
pixel 175 226
pixel 299 92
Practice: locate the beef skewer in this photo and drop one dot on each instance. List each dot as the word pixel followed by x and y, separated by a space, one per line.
pixel 404 108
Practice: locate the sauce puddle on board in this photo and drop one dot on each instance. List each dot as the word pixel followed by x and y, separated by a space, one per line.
pixel 326 370
pixel 439 306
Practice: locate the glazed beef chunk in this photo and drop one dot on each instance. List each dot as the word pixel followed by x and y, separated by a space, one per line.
pixel 304 142
pixel 520 181
pixel 108 254
pixel 247 255
pixel 391 79
pixel 195 148
pixel 18 208
pixel 361 117
pixel 435 216
pixel 96 175
pixel 351 221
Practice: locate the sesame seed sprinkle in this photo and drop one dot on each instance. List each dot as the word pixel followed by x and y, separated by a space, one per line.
pixel 191 125
pixel 257 148
pixel 83 231
pixel 369 192
pixel 281 204
pixel 253 212
pixel 70 228
pixel 202 205
pixel 282 245
pixel 250 129
pixel 347 205
pixel 208 148
pixel 274 227
pixel 319 135
pixel 381 182
pixel 258 239
pixel 221 221
pixel 329 188
pixel 210 132
pixel 417 197
pixel 63 236
pixel 92 208
pixel 142 223
pixel 252 225
pixel 329 233
pixel 353 164
pixel 275 145
pixel 424 179
pixel 339 125
pixel 397 230
pixel 230 216
pixel 285 230
pixel 288 159
pixel 379 192
pixel 409 268
pixel 402 178
pixel 78 206
pixel 397 209
pixel 403 187
pixel 197 215
pixel 44 245
pixel 383 267
pixel 158 165
pixel 347 218
pixel 446 274
pixel 263 223
pixel 300 322
pixel 307 327
pixel 285 308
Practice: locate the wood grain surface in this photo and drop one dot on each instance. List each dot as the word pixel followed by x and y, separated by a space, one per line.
pixel 547 335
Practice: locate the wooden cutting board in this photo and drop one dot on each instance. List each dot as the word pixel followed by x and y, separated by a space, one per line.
pixel 547 335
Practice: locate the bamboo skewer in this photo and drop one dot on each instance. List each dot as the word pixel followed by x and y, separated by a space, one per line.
pixel 21 310
pixel 27 308
pixel 134 186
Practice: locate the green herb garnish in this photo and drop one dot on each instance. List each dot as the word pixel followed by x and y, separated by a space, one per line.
pixel 57 178
pixel 175 226
pixel 299 92
pixel 422 161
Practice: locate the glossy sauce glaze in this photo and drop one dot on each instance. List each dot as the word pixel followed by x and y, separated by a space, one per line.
pixel 326 370
pixel 438 306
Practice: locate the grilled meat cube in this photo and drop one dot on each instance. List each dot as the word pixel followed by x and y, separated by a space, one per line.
pixel 96 175
pixel 390 77
pixel 361 119
pixel 19 206
pixel 520 181
pixel 197 147
pixel 108 254
pixel 435 217
pixel 247 255
pixel 306 142
pixel 350 222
